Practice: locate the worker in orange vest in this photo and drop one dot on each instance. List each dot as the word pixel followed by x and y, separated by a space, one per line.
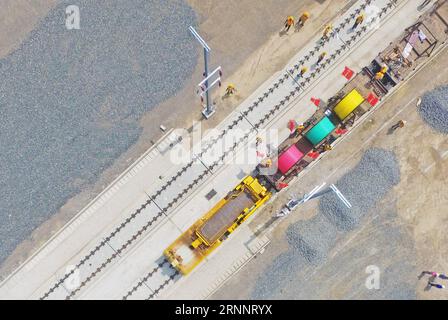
pixel 384 69
pixel 358 21
pixel 399 124
pixel 379 76
pixel 300 129
pixel 327 30
pixel 303 18
pixel 230 89
pixel 303 71
pixel 321 57
pixel 266 163
pixel 289 23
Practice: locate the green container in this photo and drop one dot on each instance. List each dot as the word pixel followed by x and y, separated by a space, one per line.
pixel 320 131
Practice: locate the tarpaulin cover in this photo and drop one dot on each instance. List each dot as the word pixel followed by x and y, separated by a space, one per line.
pixel 289 158
pixel 320 131
pixel 348 104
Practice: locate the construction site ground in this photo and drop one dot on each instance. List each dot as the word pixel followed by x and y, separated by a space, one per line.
pixel 104 276
pixel 404 235
pixel 244 37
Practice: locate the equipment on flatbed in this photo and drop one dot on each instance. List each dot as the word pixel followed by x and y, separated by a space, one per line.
pixel 187 251
pixel 348 104
pixel 320 131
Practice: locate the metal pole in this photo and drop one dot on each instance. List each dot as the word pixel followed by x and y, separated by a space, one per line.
pixel 341 196
pixel 207 95
pixel 294 203
pixel 208 111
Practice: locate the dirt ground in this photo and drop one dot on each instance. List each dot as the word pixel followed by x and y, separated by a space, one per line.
pixel 17 19
pixel 402 244
pixel 245 41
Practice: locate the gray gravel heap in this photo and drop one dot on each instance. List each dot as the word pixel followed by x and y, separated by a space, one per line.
pixel 434 109
pixel 310 241
pixel 374 176
pixel 70 100
pixel 312 238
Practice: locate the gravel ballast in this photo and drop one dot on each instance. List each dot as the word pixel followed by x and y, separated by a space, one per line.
pixel 374 176
pixel 71 100
pixel 310 241
pixel 434 109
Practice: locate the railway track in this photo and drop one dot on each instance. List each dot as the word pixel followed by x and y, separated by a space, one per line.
pixel 154 290
pixel 301 85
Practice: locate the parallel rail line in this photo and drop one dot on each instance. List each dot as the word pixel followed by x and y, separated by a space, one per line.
pixel 148 276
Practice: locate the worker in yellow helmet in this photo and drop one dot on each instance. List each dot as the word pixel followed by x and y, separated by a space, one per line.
pixel 384 69
pixel 327 30
pixel 267 163
pixel 379 76
pixel 303 71
pixel 230 89
pixel 303 18
pixel 321 57
pixel 300 128
pixel 289 23
pixel 358 21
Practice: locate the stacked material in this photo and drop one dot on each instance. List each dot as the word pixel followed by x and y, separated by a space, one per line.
pixel 320 131
pixel 348 104
pixel 289 158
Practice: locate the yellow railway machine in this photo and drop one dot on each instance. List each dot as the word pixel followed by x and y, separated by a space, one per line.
pixel 206 234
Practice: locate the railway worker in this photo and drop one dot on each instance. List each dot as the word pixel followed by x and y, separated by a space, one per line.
pixel 379 76
pixel 303 18
pixel 300 128
pixel 384 69
pixel 321 57
pixel 289 23
pixel 327 147
pixel 327 30
pixel 267 163
pixel 258 140
pixel 358 21
pixel 399 124
pixel 303 71
pixel 230 89
pixel 438 286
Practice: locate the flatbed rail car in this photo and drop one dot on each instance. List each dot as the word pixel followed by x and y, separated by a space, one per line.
pixel 206 234
pixel 299 150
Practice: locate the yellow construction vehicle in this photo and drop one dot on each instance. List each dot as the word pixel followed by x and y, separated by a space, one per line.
pixel 206 234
